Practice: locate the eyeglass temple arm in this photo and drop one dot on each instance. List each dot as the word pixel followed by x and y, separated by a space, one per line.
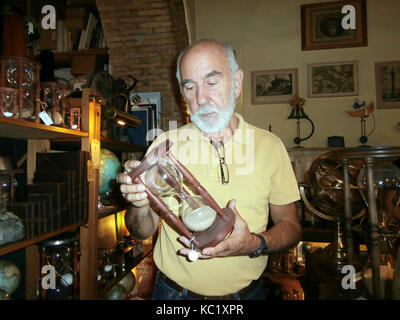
pixel 167 215
pixel 196 184
pixel 222 171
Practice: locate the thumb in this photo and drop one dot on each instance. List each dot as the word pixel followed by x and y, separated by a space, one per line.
pixel 232 205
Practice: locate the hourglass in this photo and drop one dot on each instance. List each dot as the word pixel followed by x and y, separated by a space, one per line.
pixel 195 215
pixel 53 95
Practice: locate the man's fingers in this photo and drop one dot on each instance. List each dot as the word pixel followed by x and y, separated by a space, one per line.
pixel 132 188
pixel 217 250
pixel 124 178
pixel 185 241
pixel 135 197
pixel 232 205
pixel 131 164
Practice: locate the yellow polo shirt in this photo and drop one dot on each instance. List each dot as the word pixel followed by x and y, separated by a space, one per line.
pixel 259 172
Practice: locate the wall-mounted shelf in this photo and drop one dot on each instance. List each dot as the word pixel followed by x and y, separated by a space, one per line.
pixel 113 145
pixel 64 59
pixel 114 208
pixel 22 129
pixel 10 247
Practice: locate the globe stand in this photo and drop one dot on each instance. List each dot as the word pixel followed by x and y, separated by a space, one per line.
pixel 334 256
pixel 370 156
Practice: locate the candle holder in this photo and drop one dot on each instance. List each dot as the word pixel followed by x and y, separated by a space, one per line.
pixel 195 215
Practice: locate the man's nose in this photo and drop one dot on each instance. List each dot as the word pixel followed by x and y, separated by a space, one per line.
pixel 202 97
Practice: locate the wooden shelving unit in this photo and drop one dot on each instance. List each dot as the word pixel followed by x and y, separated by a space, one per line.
pixel 38 136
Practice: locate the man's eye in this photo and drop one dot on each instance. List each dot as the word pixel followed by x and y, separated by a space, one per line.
pixel 189 88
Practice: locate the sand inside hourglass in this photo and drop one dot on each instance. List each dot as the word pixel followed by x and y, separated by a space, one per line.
pixel 200 218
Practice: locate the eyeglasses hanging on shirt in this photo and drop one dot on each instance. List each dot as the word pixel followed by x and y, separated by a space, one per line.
pixel 223 167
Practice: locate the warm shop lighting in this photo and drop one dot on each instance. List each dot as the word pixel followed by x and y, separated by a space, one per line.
pixel 120 117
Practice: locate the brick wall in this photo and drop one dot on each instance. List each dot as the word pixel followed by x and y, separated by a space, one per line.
pixel 144 38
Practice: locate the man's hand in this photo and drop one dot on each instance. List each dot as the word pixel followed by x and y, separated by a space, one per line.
pixel 239 243
pixel 140 220
pixel 133 193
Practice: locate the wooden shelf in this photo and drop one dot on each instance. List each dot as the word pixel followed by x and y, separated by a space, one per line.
pixel 120 146
pixel 64 59
pixel 10 247
pixel 113 145
pixel 114 208
pixel 22 129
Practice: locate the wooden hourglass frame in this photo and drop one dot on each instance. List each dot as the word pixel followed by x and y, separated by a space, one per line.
pixel 225 217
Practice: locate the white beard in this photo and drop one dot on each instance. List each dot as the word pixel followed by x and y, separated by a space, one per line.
pixel 216 122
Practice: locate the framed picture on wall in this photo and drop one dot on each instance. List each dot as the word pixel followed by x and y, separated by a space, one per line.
pixel 273 86
pixel 387 78
pixel 321 25
pixel 334 79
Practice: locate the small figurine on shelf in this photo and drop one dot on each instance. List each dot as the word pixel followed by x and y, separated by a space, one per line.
pixel 298 113
pixel 363 111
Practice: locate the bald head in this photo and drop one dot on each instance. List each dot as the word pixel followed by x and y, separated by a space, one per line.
pixel 208 46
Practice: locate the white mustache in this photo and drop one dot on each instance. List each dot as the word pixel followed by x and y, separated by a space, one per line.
pixel 205 110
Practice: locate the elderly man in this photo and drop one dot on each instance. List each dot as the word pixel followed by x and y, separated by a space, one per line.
pixel 241 166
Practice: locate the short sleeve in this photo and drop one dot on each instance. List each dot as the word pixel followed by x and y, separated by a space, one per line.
pixel 284 189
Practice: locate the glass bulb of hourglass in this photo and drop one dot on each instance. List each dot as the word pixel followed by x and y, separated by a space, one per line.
pixel 164 179
pixel 8 103
pixel 196 214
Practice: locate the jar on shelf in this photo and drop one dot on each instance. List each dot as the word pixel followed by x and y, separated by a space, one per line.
pixel 62 254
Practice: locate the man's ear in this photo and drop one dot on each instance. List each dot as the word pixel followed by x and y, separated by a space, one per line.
pixel 238 82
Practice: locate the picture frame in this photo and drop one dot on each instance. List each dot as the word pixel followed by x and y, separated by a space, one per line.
pixel 387 81
pixel 321 25
pixel 332 79
pixel 273 86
